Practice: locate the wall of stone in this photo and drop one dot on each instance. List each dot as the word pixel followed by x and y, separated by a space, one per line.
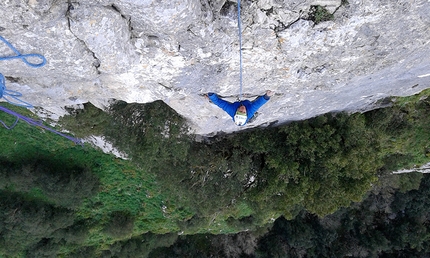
pixel 176 50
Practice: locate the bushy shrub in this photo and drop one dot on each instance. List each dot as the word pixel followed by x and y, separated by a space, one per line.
pixel 120 224
pixel 24 223
pixel 141 246
pixel 62 184
pixel 318 14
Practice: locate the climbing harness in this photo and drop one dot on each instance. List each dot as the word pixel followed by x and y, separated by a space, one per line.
pixel 240 48
pixel 4 92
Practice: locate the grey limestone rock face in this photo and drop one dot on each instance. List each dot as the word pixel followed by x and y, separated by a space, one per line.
pixel 106 34
pixel 147 50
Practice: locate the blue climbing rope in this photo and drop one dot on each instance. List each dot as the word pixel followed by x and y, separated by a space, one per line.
pixel 240 47
pixel 9 127
pixel 23 57
pixel 11 94
pixel 33 122
pixel 6 94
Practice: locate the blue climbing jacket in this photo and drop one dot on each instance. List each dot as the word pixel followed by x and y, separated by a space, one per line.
pixel 231 108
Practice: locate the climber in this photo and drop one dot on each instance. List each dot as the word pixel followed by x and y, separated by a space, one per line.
pixel 240 111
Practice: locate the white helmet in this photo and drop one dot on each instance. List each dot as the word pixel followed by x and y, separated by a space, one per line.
pixel 240 118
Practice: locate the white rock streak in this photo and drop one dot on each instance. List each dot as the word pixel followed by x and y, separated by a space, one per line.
pixel 423 169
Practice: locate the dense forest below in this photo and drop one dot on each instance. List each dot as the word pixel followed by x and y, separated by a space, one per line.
pixel 320 187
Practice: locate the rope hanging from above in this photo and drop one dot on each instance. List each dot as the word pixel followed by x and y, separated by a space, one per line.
pixel 10 95
pixel 240 48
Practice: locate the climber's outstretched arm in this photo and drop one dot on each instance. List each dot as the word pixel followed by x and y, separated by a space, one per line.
pixel 258 102
pixel 228 107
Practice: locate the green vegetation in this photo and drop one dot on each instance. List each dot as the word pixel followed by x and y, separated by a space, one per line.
pixel 318 14
pixel 388 223
pixel 321 164
pixel 403 131
pixel 97 197
pixel 172 184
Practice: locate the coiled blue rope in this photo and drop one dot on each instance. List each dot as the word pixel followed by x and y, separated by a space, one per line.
pixel 7 94
pixel 240 47
pixel 23 57
pixel 4 92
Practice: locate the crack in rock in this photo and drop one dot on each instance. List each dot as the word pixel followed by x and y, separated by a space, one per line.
pixel 127 20
pixel 96 62
pixel 107 33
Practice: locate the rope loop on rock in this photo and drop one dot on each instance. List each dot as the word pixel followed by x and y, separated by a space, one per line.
pixel 23 57
pixel 10 94
pixel 240 48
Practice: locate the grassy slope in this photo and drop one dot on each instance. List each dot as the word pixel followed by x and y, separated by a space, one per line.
pixel 123 186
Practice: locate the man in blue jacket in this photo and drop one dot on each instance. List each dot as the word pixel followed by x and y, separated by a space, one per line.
pixel 240 111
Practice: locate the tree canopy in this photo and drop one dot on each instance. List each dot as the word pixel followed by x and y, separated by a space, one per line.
pixel 309 176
